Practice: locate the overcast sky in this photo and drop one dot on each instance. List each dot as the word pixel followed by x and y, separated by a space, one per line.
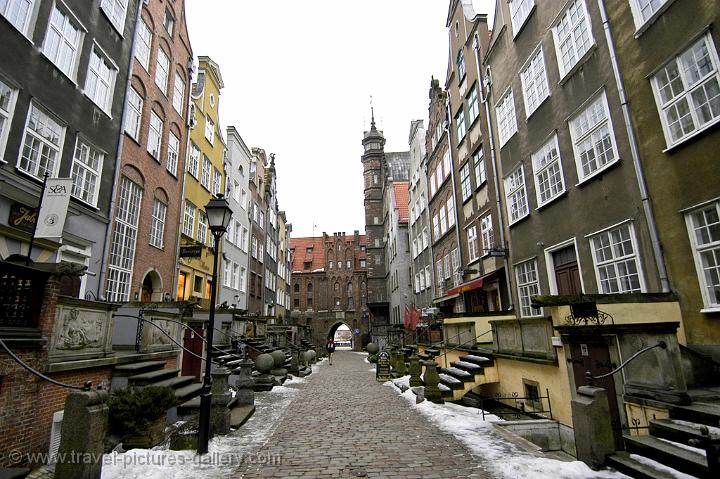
pixel 298 78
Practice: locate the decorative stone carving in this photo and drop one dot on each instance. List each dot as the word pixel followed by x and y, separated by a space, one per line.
pixel 82 330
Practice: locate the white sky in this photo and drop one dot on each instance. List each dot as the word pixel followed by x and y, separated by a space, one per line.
pixel 298 79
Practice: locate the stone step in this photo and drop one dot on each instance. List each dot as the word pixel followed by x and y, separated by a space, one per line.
pixel 622 461
pixel 699 412
pixel 150 377
pixel 479 360
pixel 445 391
pixel 131 369
pixel 14 472
pixel 458 374
pixel 234 363
pixel 188 392
pixel 451 382
pixel 189 407
pixel 681 432
pixel 679 458
pixel 174 382
pixel 469 367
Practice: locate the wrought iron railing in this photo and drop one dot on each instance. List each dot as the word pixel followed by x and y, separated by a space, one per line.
pixel 518 405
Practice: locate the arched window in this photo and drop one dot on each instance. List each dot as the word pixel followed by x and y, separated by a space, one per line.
pixel 309 288
pixel 337 287
pixel 349 289
pixel 296 288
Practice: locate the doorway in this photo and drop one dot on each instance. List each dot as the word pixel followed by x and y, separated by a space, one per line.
pixel 567 272
pixel 193 342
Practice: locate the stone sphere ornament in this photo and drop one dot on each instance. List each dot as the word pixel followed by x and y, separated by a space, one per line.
pixel 372 348
pixel 264 363
pixel 307 357
pixel 313 355
pixel 278 357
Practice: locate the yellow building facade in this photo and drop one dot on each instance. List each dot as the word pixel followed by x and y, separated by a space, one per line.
pixel 204 178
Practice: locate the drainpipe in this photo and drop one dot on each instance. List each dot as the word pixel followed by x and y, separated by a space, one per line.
pixel 493 161
pixel 116 176
pixel 452 180
pixel 634 150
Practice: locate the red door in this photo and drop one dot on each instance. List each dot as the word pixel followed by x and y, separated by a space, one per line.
pixel 567 273
pixel 193 341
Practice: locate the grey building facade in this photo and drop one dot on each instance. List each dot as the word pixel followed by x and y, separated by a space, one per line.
pixel 397 250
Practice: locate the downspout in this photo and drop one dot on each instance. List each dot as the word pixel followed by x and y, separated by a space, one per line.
pixel 452 180
pixel 634 150
pixel 493 161
pixel 116 176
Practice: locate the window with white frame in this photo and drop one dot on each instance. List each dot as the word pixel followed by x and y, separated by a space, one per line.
pixel 157 226
pixel 465 183
pixel 86 170
pixel 472 240
pixel 244 240
pixel 42 144
pixel 122 251
pixel 519 12
pixel 461 64
pixel 100 81
pixel 206 172
pixel 115 11
pixel 616 261
pixel 517 204
pixel 486 232
pixel 217 181
pixel 169 22
pixel 178 93
pixel 443 220
pixel 460 128
pixel 425 238
pixel 433 184
pixel 573 36
pixel 528 286
pixel 428 279
pixel 133 119
pixel 593 138
pixel 534 83
pixel 7 106
pixel 446 166
pixel 547 169
pixel 254 247
pixel 473 105
pixel 227 271
pixel 202 227
pixel 446 267
pixel 62 41
pixel 479 165
pixel 155 135
pixel 687 91
pixel 451 212
pixel 144 43
pixel 436 227
pixel 189 219
pixel 209 130
pixel 162 70
pixel 507 123
pixel 193 162
pixel 704 229
pixel 17 12
pixel 172 153
pixel 643 10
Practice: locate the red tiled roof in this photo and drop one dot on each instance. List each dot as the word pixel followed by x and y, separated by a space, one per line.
pixel 316 257
pixel 402 199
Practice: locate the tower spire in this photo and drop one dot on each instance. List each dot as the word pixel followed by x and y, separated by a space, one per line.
pixel 372 114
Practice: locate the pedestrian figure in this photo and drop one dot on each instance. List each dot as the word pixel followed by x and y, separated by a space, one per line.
pixel 330 346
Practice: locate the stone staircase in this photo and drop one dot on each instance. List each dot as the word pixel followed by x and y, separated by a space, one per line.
pixel 469 372
pixel 154 373
pixel 677 443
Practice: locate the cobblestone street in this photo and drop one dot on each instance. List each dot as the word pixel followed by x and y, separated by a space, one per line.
pixel 342 423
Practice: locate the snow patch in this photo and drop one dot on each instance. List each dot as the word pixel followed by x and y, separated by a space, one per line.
pixel 661 467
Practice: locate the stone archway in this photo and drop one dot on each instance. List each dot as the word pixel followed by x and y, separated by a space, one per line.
pixel 342 333
pixel 151 288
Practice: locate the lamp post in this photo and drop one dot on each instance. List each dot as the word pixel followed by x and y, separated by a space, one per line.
pixel 218 214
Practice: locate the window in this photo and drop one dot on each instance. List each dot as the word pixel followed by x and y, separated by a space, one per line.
pixel 7 105
pixel 443 220
pixel 144 43
pixel 527 281
pixel 206 170
pixel 472 243
pixel 573 36
pixel 155 135
pixel 162 69
pixel 643 10
pixel 178 93
pixel 202 227
pixel 465 183
pixel 486 232
pixel 42 144
pixel 687 91
pixel 480 173
pixel 209 130
pixel 593 139
pixel 507 124
pixel 363 263
pixel 17 12
pixel 704 229
pixel 172 153
pixel 461 64
pixel 241 279
pixel 169 22
pixel 519 12
pixel 157 227
pixel 473 105
pixel 616 263
pixel 547 168
pixel 100 81
pixel 86 168
pixel 451 212
pixel 428 279
pixel 115 10
pixel 244 244
pixel 436 227
pixel 534 83
pixel 425 238
pixel 217 181
pixel 122 252
pixel 133 119
pixel 189 219
pixel 433 184
pixel 517 204
pixel 227 266
pixel 460 124
pixel 446 266
pixel 62 42
pixel 193 162
pixel 234 280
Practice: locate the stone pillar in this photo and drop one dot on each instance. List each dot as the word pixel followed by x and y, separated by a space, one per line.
pixel 593 429
pixel 415 371
pixel 432 379
pixel 245 383
pixel 400 367
pixel 83 435
pixel 220 414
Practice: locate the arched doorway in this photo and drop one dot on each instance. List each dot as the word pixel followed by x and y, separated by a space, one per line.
pixel 151 287
pixel 343 336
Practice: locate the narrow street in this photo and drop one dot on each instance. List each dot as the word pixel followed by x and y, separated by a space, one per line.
pixel 341 423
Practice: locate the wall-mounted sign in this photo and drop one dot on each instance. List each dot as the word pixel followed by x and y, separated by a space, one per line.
pixel 22 217
pixel 194 251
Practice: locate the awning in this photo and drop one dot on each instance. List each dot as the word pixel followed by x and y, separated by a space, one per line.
pixel 469 286
pixel 445 298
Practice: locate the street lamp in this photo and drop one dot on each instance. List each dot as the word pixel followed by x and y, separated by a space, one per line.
pixel 218 214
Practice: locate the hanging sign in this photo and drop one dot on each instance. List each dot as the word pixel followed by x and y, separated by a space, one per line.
pixel 53 209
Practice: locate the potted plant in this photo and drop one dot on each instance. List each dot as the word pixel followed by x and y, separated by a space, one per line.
pixel 138 415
